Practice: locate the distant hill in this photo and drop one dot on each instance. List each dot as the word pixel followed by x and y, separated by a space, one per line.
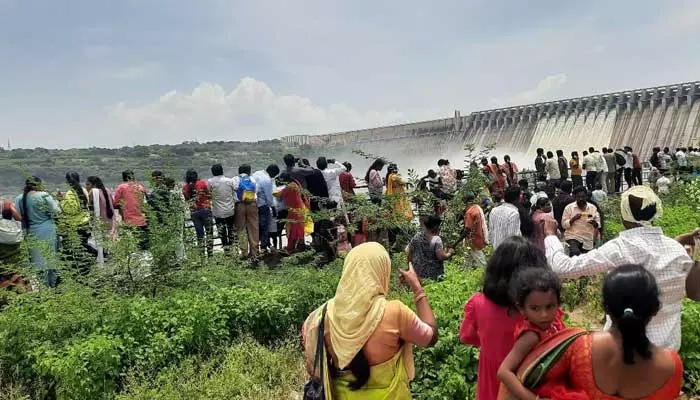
pixel 52 165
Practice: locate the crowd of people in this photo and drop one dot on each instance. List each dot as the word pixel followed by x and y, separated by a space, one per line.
pixel 358 345
pixel 539 233
pixel 539 237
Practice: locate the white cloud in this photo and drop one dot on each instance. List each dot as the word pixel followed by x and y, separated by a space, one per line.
pixel 543 91
pixel 251 111
pixel 134 72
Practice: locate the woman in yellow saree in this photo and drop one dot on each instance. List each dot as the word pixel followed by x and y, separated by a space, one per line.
pixel 368 339
pixel 396 193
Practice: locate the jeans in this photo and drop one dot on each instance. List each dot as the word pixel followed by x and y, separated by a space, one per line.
pixel 609 183
pixel 264 214
pixel 225 227
pixel 203 224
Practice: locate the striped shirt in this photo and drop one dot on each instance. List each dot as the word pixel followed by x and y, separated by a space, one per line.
pixel 665 258
pixel 504 222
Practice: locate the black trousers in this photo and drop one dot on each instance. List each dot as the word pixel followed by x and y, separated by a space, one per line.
pixel 577 180
pixel 226 228
pixel 591 178
pixel 618 180
pixel 637 176
pixel 628 177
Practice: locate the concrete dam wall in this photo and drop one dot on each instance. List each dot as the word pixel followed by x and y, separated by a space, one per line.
pixel 641 118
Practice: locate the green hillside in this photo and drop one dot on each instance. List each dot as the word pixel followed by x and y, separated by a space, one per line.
pixel 52 165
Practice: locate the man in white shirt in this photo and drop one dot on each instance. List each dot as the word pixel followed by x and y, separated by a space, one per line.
pixel 331 171
pixel 667 259
pixel 682 160
pixel 663 184
pixel 223 204
pixel 580 221
pixel 552 168
pixel 504 220
pixel 590 163
pixel 601 166
pixel 265 202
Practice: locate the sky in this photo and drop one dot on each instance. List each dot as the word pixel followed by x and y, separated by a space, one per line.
pixel 106 73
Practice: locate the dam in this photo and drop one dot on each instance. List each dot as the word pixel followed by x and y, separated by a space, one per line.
pixel 665 116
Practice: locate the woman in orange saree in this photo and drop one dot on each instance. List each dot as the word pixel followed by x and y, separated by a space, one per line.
pixel 575 365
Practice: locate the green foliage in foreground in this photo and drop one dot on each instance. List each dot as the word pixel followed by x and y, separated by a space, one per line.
pixel 79 344
pixel 246 370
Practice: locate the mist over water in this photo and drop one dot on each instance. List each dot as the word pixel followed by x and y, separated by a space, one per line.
pixel 642 119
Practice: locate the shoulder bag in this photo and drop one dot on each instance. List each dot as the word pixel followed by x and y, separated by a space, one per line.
pixel 314 388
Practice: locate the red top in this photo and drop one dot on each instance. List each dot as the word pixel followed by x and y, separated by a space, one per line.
pixel 198 195
pixel 575 369
pixel 635 162
pixel 347 182
pixel 129 196
pixel 489 327
pixel 527 326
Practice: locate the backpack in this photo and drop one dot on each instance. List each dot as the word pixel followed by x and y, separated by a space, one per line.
pixel 246 189
pixel 620 160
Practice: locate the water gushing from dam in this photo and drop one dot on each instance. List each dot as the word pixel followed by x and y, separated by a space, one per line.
pixel 642 119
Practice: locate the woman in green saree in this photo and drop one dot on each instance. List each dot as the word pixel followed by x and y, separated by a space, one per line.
pixel 367 351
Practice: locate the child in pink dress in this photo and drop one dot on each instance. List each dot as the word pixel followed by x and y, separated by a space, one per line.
pixel 490 317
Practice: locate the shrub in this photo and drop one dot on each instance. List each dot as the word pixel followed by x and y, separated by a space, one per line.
pixel 448 370
pixel 67 341
pixel 690 348
pixel 274 373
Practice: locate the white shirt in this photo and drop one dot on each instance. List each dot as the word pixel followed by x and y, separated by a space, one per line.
pixel 552 168
pixel 331 174
pixel 600 163
pixel 681 159
pixel 223 196
pixel 667 158
pixel 599 196
pixel 663 183
pixel 537 196
pixel 665 258
pixel 590 163
pixel 504 222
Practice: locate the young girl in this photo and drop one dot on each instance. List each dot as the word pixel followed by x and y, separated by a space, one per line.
pixel 490 317
pixel 536 293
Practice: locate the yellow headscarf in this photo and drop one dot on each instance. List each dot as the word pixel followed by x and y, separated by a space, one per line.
pixel 358 306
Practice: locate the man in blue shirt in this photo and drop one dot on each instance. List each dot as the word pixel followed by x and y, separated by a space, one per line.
pixel 265 202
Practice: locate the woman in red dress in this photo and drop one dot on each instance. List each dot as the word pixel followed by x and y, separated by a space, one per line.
pixel 297 208
pixel 490 317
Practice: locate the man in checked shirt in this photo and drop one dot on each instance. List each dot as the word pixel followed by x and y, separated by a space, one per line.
pixel 676 273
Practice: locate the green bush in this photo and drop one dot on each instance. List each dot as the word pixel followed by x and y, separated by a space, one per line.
pixel 246 370
pixel 690 347
pixel 65 341
pixel 448 370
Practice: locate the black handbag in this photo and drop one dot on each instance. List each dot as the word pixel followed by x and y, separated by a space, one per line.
pixel 314 390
